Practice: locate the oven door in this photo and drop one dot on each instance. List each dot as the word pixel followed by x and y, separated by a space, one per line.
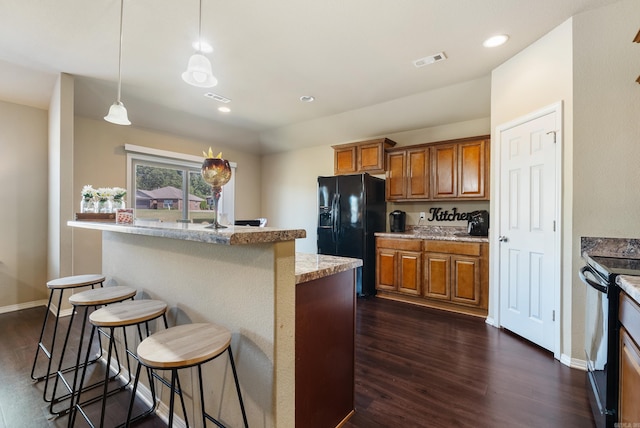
pixel 597 347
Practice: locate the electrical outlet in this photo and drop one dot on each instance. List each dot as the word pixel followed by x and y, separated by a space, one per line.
pixel 422 216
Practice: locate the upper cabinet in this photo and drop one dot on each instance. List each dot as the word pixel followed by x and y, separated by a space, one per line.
pixel 364 156
pixel 449 170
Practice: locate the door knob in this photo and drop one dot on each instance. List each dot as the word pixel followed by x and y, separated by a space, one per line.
pixel 503 239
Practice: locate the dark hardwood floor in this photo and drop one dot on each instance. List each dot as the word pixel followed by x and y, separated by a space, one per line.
pixel 415 367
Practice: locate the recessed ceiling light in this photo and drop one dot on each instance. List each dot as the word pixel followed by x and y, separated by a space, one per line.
pixel 202 46
pixel 307 98
pixel 224 109
pixel 494 41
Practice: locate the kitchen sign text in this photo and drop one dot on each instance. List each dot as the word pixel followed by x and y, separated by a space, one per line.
pixel 438 214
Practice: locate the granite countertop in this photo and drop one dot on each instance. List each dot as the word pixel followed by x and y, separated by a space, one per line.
pixel 232 235
pixel 316 266
pixel 438 233
pixel 631 285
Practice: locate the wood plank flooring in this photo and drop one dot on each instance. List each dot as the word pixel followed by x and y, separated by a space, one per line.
pixel 415 367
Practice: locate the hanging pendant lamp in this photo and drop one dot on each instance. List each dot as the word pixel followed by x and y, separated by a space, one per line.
pixel 199 68
pixel 117 111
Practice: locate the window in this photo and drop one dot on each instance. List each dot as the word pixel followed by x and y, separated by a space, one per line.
pixel 167 186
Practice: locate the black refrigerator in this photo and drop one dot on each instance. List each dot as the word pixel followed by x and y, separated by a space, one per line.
pixel 351 208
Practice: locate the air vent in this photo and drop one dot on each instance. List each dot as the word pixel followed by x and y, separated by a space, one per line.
pixel 217 97
pixel 440 56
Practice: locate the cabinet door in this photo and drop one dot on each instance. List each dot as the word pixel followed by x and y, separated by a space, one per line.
pixel 344 160
pixel 444 178
pixel 395 184
pixel 629 379
pixel 410 272
pixel 437 276
pixel 371 157
pixel 472 169
pixel 465 280
pixel 386 269
pixel 418 171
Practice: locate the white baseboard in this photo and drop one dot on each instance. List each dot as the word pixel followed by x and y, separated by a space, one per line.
pixel 491 321
pixel 21 306
pixel 574 363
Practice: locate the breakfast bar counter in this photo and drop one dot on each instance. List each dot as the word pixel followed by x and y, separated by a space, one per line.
pixel 250 280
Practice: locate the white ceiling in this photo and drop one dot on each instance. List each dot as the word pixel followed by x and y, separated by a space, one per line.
pixel 354 56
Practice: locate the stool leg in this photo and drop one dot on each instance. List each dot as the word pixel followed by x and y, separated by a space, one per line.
pixel 172 399
pixel 235 378
pixel 133 394
pixel 55 400
pixel 48 352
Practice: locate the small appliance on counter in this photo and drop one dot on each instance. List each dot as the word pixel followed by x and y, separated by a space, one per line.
pixel 478 223
pixel 397 220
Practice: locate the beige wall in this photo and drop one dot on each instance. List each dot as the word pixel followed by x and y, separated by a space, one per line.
pixel 23 216
pixel 100 160
pixel 538 77
pixel 606 135
pixel 290 181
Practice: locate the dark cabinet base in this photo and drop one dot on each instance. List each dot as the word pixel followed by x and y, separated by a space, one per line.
pixel 325 350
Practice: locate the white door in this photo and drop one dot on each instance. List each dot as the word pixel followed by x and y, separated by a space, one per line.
pixel 527 223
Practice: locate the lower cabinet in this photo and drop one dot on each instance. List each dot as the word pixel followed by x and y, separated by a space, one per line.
pixel 629 390
pixel 449 275
pixel 399 265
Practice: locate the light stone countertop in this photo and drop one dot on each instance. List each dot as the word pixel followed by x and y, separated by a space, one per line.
pixel 438 233
pixel 316 266
pixel 232 235
pixel 630 285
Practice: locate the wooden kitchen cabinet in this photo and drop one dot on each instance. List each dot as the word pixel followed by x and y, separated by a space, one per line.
pixel 451 170
pixel 455 275
pixel 452 271
pixel 364 156
pixel 629 383
pixel 460 170
pixel 399 265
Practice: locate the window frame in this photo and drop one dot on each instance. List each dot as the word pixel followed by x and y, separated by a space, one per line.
pixel 188 163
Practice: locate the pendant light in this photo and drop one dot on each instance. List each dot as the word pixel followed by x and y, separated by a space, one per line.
pixel 199 68
pixel 117 111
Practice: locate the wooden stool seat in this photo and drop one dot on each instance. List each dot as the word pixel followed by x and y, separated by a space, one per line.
pixel 75 281
pixel 102 296
pixel 181 347
pixel 184 345
pixel 128 313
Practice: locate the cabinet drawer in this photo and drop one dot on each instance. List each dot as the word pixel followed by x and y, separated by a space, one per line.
pixel 449 247
pixel 630 315
pixel 399 244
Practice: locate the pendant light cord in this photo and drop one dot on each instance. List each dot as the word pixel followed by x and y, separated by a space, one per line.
pixel 200 28
pixel 120 52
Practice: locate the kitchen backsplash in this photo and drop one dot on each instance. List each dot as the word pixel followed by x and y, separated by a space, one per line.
pixel 413 210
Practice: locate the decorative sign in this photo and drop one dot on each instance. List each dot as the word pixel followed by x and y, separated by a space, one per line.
pixel 438 214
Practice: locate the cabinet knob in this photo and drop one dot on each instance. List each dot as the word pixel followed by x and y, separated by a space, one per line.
pixel 503 238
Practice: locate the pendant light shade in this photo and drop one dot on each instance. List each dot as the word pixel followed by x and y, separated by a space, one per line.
pixel 117 111
pixel 117 114
pixel 199 68
pixel 199 72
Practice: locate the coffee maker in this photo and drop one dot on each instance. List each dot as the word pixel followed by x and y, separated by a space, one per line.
pixel 397 220
pixel 478 223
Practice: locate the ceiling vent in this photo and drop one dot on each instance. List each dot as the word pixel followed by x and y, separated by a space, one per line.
pixel 217 97
pixel 440 56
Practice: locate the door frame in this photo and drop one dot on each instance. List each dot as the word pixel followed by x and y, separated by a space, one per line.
pixel 494 295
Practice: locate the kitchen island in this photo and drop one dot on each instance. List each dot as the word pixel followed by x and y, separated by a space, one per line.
pixel 244 278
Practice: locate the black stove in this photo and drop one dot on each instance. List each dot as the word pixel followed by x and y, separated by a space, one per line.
pixel 608 266
pixel 602 333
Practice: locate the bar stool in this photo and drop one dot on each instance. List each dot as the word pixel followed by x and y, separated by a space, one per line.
pixel 125 314
pixel 81 303
pixel 181 347
pixel 59 285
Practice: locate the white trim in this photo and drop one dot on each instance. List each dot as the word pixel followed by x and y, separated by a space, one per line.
pixel 557 109
pixel 492 322
pixel 574 363
pixel 21 306
pixel 132 148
